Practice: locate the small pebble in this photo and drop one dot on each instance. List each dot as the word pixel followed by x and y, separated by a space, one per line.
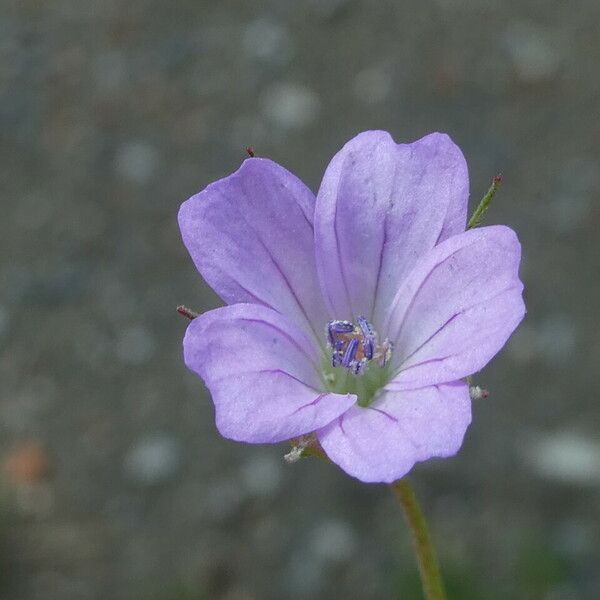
pixel 153 460
pixel 262 475
pixel 137 162
pixel 533 51
pixel 304 576
pixel 329 10
pixel 567 212
pixel 135 345
pixel 568 457
pixel 223 499
pixel 267 41
pixel 553 340
pixel 27 462
pixel 333 541
pixel 372 85
pixel 109 71
pixel 574 538
pixel 290 105
pixel 557 339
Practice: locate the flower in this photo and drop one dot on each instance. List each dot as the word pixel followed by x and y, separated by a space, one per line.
pixel 356 314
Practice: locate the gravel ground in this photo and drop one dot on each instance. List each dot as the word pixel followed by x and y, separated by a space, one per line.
pixel 114 482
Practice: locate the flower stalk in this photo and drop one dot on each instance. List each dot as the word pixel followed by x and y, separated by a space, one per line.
pixel 431 580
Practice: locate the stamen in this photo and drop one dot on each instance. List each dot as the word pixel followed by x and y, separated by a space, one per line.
pixel 368 337
pixel 350 353
pixel 338 327
pixel 384 353
pixel 336 359
pixel 358 367
pixel 354 346
pixel 342 326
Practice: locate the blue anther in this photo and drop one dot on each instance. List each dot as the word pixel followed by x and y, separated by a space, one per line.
pixel 350 353
pixel 342 326
pixel 335 328
pixel 368 337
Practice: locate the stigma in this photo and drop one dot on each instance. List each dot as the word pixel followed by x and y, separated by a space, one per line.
pixel 356 346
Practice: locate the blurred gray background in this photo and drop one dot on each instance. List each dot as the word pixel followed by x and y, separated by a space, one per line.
pixel 114 482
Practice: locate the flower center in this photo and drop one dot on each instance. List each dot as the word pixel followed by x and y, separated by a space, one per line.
pixel 358 359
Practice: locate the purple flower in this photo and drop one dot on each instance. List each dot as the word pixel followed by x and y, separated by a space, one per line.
pixel 356 314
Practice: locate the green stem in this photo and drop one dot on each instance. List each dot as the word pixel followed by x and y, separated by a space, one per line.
pixel 433 587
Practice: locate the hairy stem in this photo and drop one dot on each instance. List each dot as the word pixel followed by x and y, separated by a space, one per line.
pixel 433 587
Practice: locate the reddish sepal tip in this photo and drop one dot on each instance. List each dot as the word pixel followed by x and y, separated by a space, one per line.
pixel 186 312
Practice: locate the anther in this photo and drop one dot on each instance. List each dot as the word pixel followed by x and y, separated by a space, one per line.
pixel 350 353
pixel 338 327
pixel 341 326
pixel 250 151
pixel 368 337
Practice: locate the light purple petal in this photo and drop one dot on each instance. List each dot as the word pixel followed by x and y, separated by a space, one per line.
pixel 457 308
pixel 383 442
pixel 251 237
pixel 263 374
pixel 381 206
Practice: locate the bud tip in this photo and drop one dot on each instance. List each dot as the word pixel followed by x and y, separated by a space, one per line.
pixel 186 312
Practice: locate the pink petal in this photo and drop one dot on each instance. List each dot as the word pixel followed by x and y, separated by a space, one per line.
pixel 381 443
pixel 263 374
pixel 457 308
pixel 251 237
pixel 381 206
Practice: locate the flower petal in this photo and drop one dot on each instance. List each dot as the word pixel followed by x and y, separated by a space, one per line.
pixel 263 374
pixel 251 237
pixel 381 443
pixel 457 308
pixel 380 207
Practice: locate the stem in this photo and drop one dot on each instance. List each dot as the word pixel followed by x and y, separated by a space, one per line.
pixel 433 587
